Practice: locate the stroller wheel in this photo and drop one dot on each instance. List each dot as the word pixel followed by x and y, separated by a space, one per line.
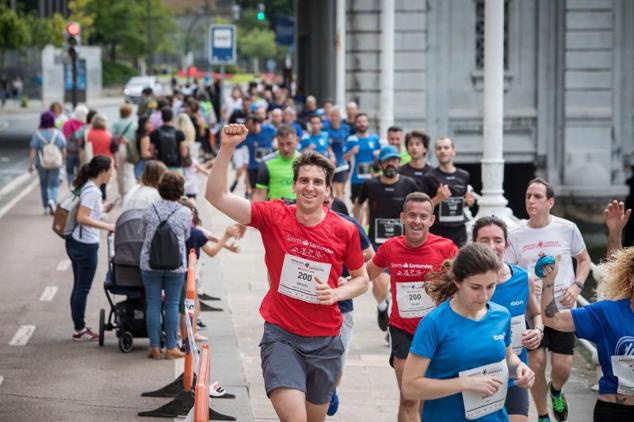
pixel 125 342
pixel 102 325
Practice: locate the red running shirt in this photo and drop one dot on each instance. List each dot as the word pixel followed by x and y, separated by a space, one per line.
pixel 408 268
pixel 294 255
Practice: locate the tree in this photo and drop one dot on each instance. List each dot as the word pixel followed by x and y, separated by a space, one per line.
pixel 45 31
pixel 80 12
pixel 258 44
pixel 14 33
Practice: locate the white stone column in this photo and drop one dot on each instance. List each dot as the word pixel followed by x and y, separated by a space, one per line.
pixel 386 117
pixel 340 46
pixel 493 201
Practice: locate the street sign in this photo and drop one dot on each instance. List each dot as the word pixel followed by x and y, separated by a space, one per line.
pixel 222 44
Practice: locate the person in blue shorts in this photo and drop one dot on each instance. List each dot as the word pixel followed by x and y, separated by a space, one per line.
pixel 515 292
pixel 461 359
pixel 361 149
pixel 608 323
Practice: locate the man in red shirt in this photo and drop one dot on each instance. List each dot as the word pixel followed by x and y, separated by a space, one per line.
pixel 409 258
pixel 306 246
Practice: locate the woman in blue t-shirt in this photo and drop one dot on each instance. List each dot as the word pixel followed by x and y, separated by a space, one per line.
pixel 515 292
pixel 608 323
pixel 461 353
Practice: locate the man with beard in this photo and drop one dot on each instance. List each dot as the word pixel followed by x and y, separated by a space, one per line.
pixel 416 143
pixel 385 194
pixel 448 185
pixel 362 148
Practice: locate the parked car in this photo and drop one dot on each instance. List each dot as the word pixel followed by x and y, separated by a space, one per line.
pixel 137 84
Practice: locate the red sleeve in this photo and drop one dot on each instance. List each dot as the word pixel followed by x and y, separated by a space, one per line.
pixel 452 250
pixel 354 256
pixel 261 213
pixel 379 258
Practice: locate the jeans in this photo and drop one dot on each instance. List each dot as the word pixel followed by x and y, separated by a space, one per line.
pixel 72 168
pixel 139 166
pixel 83 257
pixel 49 185
pixel 171 283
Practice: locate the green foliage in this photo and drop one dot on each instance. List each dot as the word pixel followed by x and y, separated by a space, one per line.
pixel 45 31
pixel 258 43
pixel 14 32
pixel 116 73
pixel 80 12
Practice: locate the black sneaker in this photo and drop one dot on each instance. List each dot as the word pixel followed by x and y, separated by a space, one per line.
pixel 383 317
pixel 200 323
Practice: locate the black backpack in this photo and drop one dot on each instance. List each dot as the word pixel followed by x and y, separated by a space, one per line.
pixel 165 251
pixel 168 147
pixel 73 143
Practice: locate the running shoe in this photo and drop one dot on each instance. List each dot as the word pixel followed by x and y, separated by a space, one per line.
pixel 334 404
pixel 85 335
pixel 200 323
pixel 543 419
pixel 560 405
pixel 51 207
pixel 233 186
pixel 383 317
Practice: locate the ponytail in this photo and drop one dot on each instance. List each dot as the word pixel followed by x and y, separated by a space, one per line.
pixel 472 259
pixel 91 170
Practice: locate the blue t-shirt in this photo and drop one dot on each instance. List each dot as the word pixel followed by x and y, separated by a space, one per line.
pixel 513 295
pixel 259 144
pixel 321 142
pixel 346 305
pixel 46 136
pixel 610 325
pixel 338 140
pixel 454 343
pixel 196 240
pixel 363 160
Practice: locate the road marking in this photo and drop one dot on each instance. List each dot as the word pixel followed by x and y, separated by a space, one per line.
pixel 63 265
pixel 48 294
pixel 23 177
pixel 22 336
pixel 18 198
pixel 1 379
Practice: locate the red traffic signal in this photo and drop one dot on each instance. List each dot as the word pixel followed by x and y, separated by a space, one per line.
pixel 73 29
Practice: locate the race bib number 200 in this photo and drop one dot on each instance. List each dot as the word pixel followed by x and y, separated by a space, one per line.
pixel 413 301
pixel 298 278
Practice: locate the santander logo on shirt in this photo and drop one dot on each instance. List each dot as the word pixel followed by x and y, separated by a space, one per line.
pixel 307 248
pixel 408 269
pixel 540 245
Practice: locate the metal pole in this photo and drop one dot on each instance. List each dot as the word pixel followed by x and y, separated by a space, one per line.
pixel 73 58
pixel 493 201
pixel 341 55
pixel 220 92
pixel 386 117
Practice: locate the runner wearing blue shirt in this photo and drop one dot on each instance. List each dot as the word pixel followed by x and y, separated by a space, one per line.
pixel 515 292
pixel 362 149
pixel 461 355
pixel 316 139
pixel 259 141
pixel 290 116
pixel 607 323
pixel 338 132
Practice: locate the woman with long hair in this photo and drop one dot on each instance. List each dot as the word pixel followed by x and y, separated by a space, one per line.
pixel 145 193
pixel 609 323
pixel 82 244
pixel 146 152
pixel 515 292
pixel 461 356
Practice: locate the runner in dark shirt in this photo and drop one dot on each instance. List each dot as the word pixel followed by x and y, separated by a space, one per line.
pixel 448 187
pixel 417 144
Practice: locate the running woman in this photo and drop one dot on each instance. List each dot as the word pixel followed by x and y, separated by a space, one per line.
pixel 545 234
pixel 306 246
pixel 409 259
pixel 385 195
pixel 461 355
pixel 608 323
pixel 515 292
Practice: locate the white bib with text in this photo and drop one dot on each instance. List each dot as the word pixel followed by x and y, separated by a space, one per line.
pixel 413 301
pixel 623 369
pixel 298 278
pixel 477 405
pixel 518 326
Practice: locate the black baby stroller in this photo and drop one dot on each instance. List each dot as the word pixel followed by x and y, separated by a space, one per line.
pixel 126 318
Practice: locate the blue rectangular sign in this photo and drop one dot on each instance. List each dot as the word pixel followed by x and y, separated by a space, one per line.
pixel 222 44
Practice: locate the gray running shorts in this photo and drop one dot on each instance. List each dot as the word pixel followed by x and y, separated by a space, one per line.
pixel 517 401
pixel 308 364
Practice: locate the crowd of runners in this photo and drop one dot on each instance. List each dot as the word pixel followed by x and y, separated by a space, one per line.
pixel 470 320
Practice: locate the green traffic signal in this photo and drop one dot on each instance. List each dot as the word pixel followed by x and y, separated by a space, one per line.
pixel 260 16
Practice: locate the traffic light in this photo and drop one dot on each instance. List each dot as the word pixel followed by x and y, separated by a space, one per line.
pixel 261 15
pixel 72 34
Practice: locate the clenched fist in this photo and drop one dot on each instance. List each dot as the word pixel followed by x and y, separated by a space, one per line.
pixel 233 134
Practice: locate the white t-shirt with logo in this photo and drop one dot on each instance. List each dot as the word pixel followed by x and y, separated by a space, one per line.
pixel 560 237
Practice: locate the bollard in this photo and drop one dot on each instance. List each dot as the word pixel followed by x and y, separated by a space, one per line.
pixel 201 392
pixel 190 305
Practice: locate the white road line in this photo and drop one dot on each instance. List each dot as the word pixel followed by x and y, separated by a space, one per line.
pixel 48 294
pixel 15 182
pixel 22 336
pixel 63 265
pixel 18 198
pixel 1 379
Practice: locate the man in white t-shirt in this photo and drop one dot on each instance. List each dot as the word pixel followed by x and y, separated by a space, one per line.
pixel 545 234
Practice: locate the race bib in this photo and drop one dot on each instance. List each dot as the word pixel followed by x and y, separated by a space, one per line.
pixel 623 369
pixel 477 405
pixel 413 301
pixel 518 326
pixel 451 210
pixel 261 153
pixel 298 278
pixel 364 170
pixel 386 228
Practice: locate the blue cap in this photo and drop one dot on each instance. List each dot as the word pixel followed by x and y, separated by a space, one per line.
pixel 388 152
